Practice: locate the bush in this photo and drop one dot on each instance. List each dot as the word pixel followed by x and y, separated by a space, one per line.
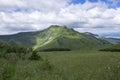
pixel 45 66
pixel 2 54
pixel 110 50
pixel 35 56
pixel 19 51
pixel 56 49
pixel 7 72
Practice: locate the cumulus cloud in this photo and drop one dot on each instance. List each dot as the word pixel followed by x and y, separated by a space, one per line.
pixel 41 5
pixel 30 15
pixel 114 2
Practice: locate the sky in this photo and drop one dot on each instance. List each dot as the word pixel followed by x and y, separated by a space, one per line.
pixel 96 16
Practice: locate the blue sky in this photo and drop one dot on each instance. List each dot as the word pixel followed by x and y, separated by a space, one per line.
pixel 82 1
pixel 96 16
pixel 78 1
pixel 110 3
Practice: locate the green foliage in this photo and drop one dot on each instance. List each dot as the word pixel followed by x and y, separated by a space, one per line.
pixel 56 49
pixel 20 51
pixel 35 56
pixel 7 71
pixel 72 65
pixel 45 65
pixel 8 50
pixel 113 48
pixel 76 65
pixel 3 48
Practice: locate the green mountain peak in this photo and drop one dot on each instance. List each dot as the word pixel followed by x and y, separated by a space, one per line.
pixel 57 26
pixel 52 33
pixel 62 37
pixel 57 29
pixel 55 37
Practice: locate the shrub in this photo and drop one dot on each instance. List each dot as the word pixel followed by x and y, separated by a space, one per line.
pixel 7 72
pixel 45 66
pixel 56 49
pixel 110 50
pixel 2 54
pixel 35 56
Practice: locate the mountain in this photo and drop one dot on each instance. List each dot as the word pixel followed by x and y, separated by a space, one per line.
pixel 54 38
pixel 112 40
pixel 63 37
pixel 24 38
pixel 104 39
pixel 112 35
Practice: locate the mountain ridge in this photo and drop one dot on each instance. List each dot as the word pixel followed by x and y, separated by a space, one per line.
pixel 55 37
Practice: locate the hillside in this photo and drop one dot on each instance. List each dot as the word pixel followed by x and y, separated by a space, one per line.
pixel 113 40
pixel 104 39
pixel 56 37
pixel 24 38
pixel 63 37
pixel 112 48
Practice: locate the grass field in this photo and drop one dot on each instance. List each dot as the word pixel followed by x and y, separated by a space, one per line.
pixel 67 65
pixel 77 65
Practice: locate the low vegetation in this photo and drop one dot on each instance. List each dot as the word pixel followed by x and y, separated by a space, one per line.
pixel 18 52
pixel 72 65
pixel 35 56
pixel 13 57
pixel 56 49
pixel 113 48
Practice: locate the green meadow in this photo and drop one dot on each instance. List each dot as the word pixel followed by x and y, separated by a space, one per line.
pixel 64 65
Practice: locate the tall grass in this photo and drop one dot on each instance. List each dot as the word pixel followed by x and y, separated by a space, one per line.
pixel 71 65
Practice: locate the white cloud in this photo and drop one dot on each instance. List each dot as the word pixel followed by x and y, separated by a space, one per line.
pixel 46 5
pixel 93 17
pixel 11 4
pixel 42 5
pixel 114 2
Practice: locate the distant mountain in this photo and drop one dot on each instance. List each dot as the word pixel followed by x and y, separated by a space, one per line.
pixel 56 37
pixel 105 39
pixel 24 38
pixel 112 35
pixel 112 40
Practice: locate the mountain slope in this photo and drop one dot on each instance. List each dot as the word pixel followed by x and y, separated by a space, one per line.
pixel 112 48
pixel 104 39
pixel 55 37
pixel 63 37
pixel 113 40
pixel 25 38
